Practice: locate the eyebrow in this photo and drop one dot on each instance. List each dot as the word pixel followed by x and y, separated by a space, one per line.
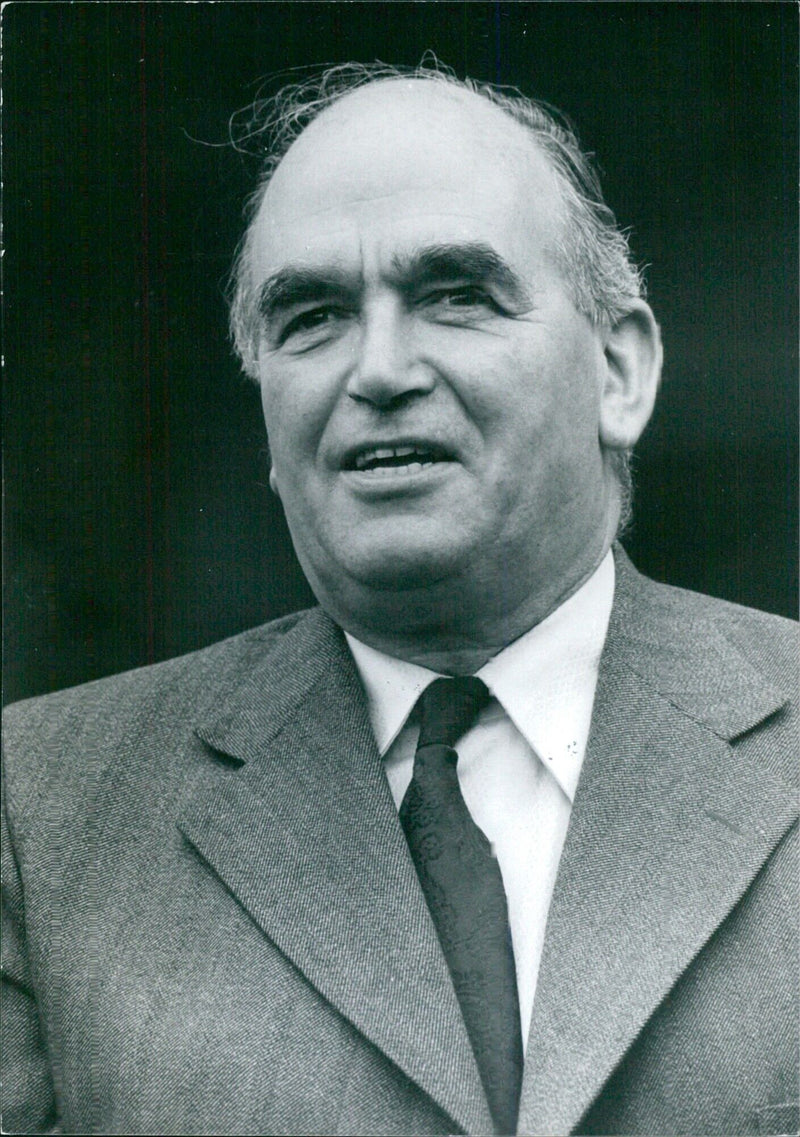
pixel 472 261
pixel 475 262
pixel 298 285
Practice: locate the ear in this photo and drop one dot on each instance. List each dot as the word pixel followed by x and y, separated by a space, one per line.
pixel 633 358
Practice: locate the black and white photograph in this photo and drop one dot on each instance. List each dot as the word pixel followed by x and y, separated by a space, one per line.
pixel 400 564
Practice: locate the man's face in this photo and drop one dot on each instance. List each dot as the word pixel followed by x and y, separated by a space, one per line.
pixel 430 392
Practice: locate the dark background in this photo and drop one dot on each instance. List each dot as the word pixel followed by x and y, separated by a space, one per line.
pixel 139 523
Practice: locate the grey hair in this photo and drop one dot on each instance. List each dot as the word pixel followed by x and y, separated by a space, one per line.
pixel 591 250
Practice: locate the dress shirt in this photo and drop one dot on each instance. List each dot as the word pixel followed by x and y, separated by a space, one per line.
pixel 518 766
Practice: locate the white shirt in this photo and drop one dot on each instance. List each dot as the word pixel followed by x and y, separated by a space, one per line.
pixel 518 766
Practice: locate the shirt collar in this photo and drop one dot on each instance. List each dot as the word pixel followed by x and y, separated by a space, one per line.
pixel 545 680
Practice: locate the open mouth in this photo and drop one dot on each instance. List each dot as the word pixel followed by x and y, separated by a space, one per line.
pixel 388 460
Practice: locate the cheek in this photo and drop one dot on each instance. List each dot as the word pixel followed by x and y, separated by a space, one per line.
pixel 568 392
pixel 542 410
pixel 278 410
pixel 517 392
pixel 271 411
pixel 296 404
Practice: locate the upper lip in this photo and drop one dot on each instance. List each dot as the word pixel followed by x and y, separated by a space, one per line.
pixel 357 453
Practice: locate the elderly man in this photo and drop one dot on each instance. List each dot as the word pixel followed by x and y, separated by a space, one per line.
pixel 498 838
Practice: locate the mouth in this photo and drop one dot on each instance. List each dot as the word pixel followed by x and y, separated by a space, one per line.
pixel 386 461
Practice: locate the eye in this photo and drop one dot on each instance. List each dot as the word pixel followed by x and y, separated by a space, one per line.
pixel 311 320
pixel 462 296
pixel 467 296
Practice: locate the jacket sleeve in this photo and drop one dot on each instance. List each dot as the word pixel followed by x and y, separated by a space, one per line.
pixel 28 1099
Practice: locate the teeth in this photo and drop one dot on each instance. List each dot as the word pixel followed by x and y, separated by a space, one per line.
pixel 381 454
pixel 393 471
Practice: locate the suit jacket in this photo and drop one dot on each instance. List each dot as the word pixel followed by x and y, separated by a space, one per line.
pixel 214 925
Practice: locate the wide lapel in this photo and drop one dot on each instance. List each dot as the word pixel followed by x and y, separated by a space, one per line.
pixel 306 837
pixel 669 826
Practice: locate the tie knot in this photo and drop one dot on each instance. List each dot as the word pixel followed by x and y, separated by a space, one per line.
pixel 448 708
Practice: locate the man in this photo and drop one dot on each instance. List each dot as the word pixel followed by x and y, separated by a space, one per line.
pixel 267 888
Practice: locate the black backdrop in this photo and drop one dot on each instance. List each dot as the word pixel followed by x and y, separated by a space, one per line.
pixel 138 519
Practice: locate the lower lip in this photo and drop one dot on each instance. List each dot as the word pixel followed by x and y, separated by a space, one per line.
pixel 396 480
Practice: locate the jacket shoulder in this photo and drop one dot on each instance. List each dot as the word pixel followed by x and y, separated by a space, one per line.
pixel 43 736
pixel 732 669
pixel 768 642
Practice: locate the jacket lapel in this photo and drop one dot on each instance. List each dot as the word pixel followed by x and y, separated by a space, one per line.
pixel 305 835
pixel 669 826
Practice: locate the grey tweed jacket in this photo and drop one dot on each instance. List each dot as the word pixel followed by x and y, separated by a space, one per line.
pixel 212 924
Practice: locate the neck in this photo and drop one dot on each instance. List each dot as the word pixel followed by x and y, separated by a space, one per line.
pixel 455 632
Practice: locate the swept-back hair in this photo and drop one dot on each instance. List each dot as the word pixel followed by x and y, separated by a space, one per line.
pixel 590 249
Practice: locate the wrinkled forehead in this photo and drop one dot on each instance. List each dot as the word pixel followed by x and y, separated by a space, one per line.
pixel 411 148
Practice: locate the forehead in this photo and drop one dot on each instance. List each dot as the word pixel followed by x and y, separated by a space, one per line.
pixel 403 163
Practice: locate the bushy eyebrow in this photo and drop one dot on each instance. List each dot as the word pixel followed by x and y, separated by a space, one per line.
pixel 473 262
pixel 470 262
pixel 297 285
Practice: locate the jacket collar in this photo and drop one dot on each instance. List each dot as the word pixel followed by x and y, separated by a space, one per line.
pixel 669 826
pixel 306 837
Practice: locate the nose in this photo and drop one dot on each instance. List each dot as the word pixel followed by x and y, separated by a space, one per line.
pixel 387 368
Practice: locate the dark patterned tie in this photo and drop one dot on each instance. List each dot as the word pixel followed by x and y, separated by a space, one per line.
pixel 464 890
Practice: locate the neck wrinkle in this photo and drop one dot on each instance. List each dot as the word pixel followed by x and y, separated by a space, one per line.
pixel 468 656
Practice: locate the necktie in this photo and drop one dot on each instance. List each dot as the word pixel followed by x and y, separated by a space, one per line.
pixel 464 890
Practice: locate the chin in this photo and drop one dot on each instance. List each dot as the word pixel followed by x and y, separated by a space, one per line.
pixel 405 575
pixel 399 569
